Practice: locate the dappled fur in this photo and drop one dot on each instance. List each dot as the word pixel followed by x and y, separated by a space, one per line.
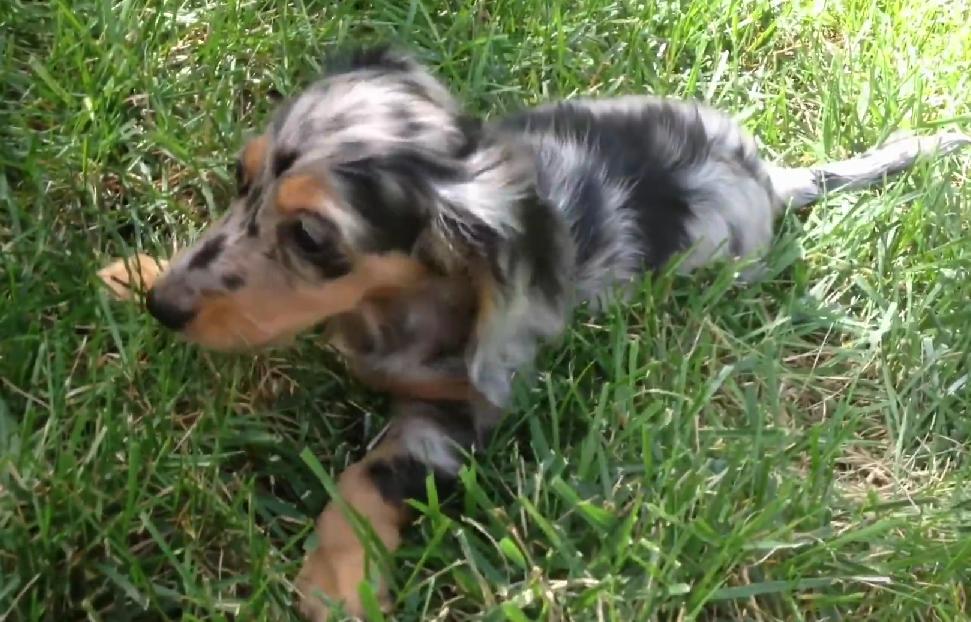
pixel 443 250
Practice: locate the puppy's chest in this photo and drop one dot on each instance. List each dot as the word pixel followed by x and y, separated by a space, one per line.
pixel 411 339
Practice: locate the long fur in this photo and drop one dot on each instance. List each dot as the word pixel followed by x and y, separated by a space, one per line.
pixel 635 181
pixel 444 250
pixel 540 210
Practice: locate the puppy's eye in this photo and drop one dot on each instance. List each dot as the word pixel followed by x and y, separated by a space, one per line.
pixel 305 239
pixel 312 235
pixel 317 241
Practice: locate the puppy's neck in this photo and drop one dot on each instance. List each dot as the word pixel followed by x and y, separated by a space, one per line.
pixel 419 322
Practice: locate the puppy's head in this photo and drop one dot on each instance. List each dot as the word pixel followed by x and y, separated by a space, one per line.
pixel 319 220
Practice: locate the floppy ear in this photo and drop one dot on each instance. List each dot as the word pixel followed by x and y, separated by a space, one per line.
pixel 475 210
pixel 522 263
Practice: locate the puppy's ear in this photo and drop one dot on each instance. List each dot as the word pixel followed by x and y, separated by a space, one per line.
pixel 523 300
pixel 401 192
pixel 478 212
pixel 523 259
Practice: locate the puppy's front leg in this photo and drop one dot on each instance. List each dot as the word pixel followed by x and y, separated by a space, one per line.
pixel 423 438
pixel 337 566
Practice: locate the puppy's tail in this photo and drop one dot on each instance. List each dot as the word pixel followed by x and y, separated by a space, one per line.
pixel 800 187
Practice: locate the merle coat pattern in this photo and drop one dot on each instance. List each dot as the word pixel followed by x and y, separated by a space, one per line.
pixel 443 250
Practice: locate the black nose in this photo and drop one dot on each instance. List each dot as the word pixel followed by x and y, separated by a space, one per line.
pixel 167 314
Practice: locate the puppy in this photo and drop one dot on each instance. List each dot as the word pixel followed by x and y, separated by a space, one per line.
pixel 372 185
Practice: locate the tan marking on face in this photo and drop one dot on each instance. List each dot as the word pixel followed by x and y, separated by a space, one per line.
pixel 253 157
pixel 273 313
pixel 301 192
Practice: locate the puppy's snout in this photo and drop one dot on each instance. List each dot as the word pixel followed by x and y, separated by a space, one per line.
pixel 168 314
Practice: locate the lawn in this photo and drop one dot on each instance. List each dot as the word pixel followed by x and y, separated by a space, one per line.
pixel 794 450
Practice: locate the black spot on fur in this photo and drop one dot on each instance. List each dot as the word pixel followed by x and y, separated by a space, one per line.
pixel 338 121
pixel 393 193
pixel 586 211
pixel 401 113
pixel 208 253
pixel 471 129
pixel 282 161
pixel 372 57
pixel 540 247
pixel 399 478
pixel 232 282
pixel 241 185
pixel 252 226
pixel 587 229
pixel 415 88
pixel 413 128
pixel 402 477
pixel 253 197
pixel 642 149
pixel 252 207
pixel 420 163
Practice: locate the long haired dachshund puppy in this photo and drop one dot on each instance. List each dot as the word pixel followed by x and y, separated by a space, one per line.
pixel 372 188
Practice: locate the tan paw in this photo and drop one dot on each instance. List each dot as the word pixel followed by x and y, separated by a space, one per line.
pixel 333 575
pixel 125 277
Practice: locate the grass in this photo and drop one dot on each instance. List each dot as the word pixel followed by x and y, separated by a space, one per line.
pixel 797 450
